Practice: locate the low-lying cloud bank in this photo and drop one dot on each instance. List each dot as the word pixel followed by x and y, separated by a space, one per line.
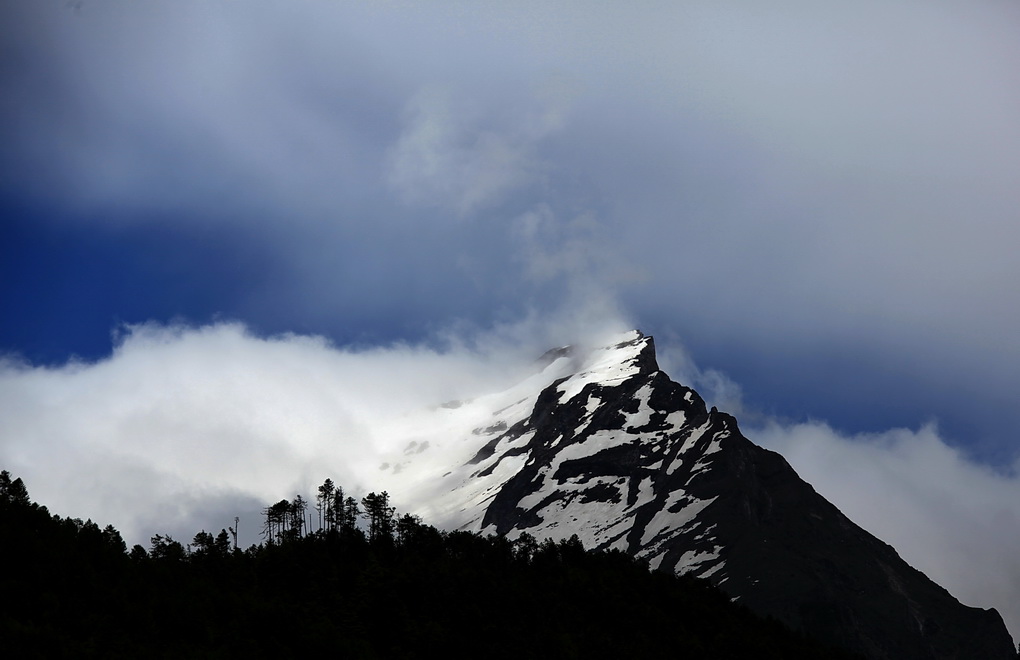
pixel 183 428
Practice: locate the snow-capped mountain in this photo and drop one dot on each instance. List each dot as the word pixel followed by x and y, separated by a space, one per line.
pixel 602 444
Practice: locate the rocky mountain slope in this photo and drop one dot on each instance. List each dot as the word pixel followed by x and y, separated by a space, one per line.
pixel 604 445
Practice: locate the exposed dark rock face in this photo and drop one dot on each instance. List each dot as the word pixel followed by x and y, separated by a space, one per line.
pixel 626 458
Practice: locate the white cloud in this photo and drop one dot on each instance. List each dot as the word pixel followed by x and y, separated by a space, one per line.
pixel 209 413
pixel 183 426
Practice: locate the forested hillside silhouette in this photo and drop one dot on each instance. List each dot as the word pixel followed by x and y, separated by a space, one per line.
pixel 354 579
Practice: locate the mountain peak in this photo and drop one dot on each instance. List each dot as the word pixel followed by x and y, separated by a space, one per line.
pixel 604 445
pixel 626 356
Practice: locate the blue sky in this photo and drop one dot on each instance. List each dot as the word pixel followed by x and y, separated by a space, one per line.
pixel 812 206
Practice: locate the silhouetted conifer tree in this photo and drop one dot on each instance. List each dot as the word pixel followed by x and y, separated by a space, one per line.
pixel 337 514
pixel 113 539
pixel 525 547
pixel 222 543
pixel 296 515
pixel 165 548
pixel 277 521
pixel 380 516
pixel 324 503
pixel 349 522
pixel 407 526
pixel 13 491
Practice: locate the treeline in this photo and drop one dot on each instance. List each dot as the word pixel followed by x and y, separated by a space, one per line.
pixel 336 514
pixel 359 582
pixel 373 521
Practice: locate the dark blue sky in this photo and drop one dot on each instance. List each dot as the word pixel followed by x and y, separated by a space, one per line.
pixel 68 287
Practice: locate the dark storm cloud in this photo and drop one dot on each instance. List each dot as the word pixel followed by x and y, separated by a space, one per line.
pixel 822 171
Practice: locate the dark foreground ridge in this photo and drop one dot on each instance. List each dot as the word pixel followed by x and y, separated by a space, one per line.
pixel 638 462
pixel 404 590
